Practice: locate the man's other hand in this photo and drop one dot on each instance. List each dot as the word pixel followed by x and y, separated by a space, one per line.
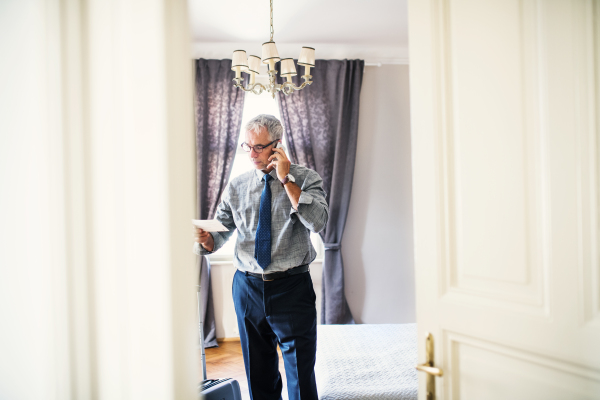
pixel 205 239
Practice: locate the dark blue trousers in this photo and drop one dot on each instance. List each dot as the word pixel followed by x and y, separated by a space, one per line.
pixel 281 311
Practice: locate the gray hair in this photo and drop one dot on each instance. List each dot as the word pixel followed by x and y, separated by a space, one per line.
pixel 273 125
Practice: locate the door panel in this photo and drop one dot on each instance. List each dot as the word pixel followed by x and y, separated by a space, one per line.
pixel 488 370
pixel 492 153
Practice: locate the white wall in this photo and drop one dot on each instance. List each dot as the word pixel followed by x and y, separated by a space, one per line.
pixel 377 246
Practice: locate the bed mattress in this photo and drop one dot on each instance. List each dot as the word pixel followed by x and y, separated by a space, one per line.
pixel 366 362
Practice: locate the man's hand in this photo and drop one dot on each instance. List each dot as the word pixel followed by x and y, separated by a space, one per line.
pixel 205 239
pixel 281 163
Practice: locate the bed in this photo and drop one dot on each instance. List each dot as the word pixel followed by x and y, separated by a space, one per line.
pixel 366 362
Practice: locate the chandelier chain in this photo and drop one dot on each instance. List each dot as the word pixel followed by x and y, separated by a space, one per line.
pixel 272 30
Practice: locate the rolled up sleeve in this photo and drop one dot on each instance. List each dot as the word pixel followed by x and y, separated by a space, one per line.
pixel 313 211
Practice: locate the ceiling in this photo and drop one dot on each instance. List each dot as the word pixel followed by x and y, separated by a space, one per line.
pixel 373 30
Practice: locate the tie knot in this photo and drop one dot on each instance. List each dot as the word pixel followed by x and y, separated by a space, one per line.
pixel 267 178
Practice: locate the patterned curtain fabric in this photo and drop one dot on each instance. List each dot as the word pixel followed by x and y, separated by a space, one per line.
pixel 218 108
pixel 321 123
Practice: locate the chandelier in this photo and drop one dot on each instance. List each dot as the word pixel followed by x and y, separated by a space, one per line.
pixel 251 65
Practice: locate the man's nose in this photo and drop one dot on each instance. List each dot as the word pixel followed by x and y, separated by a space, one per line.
pixel 253 154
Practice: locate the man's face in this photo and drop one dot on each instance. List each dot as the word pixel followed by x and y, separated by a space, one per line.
pixel 260 160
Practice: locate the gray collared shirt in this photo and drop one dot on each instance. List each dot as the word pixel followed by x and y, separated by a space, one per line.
pixel 290 228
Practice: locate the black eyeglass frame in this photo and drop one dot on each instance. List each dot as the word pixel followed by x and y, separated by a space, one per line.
pixel 256 147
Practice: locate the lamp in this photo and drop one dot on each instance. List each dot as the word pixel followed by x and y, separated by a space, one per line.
pixel 307 58
pixel 288 69
pixel 270 56
pixel 239 62
pixel 253 67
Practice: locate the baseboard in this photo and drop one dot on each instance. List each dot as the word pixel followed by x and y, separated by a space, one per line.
pixel 228 339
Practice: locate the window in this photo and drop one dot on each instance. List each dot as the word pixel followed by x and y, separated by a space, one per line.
pixel 254 105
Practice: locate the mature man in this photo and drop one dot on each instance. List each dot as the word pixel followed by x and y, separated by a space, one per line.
pixel 273 208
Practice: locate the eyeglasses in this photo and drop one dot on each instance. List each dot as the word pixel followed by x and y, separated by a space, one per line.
pixel 257 148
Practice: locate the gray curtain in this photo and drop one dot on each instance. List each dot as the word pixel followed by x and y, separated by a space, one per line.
pixel 321 123
pixel 218 108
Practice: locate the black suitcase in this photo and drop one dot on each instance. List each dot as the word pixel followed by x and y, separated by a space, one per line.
pixel 214 389
pixel 218 389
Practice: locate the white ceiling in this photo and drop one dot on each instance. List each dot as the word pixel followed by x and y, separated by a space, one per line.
pixel 373 30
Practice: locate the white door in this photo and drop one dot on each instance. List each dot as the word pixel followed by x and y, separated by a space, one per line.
pixel 505 140
pixel 97 158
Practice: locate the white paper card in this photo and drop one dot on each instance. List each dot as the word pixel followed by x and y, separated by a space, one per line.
pixel 209 225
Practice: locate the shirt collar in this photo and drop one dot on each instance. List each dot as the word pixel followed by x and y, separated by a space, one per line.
pixel 259 174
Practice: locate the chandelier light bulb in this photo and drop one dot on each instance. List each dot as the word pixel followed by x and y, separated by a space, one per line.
pixel 269 53
pixel 307 59
pixel 239 62
pixel 253 67
pixel 254 64
pixel 288 69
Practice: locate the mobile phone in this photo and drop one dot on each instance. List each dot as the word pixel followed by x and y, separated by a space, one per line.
pixel 281 146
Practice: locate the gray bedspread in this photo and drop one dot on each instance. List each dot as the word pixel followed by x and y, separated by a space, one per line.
pixel 367 362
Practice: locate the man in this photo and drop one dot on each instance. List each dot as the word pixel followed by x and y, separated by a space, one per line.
pixel 274 208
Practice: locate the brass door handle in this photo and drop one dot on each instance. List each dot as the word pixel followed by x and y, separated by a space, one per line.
pixel 430 370
pixel 428 367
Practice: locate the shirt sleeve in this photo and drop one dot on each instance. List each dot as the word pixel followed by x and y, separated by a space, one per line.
pixel 313 211
pixel 224 216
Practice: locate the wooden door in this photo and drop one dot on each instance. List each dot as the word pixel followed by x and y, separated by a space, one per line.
pixel 505 126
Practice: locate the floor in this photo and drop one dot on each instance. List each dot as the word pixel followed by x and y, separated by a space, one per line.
pixel 226 361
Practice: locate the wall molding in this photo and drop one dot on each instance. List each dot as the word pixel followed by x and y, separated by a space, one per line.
pixel 374 54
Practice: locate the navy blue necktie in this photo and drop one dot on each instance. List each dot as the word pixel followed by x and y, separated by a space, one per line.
pixel 262 241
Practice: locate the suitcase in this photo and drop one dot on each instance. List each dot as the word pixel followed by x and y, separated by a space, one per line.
pixel 218 389
pixel 214 389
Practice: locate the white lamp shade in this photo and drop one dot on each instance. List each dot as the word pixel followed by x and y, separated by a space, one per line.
pixel 288 67
pixel 254 64
pixel 269 52
pixel 239 60
pixel 307 57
